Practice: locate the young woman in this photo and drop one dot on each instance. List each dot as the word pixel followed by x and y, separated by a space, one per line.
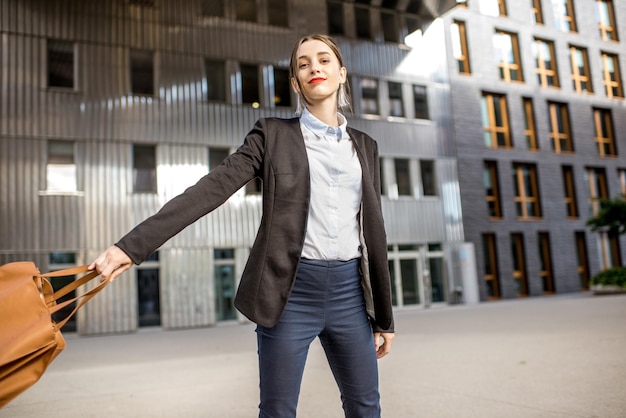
pixel 318 267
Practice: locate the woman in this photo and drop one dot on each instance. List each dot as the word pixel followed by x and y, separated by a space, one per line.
pixel 318 266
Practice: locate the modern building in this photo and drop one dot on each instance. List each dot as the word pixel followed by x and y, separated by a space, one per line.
pixel 108 109
pixel 540 129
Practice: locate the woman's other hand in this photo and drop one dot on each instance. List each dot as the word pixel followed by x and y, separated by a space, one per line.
pixel 383 348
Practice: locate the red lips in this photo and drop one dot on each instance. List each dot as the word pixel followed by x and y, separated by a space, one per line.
pixel 316 80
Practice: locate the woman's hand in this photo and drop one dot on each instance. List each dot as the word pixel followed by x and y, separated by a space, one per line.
pixel 111 263
pixel 382 349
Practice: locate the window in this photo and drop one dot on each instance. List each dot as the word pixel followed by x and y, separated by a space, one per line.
pixel 216 156
pixel 282 87
pixel 420 102
pixel 569 191
pixel 245 10
pixel 459 46
pixel 141 72
pixel 369 96
pixel 461 3
pixel 611 75
pixel 605 16
pixel 403 177
pixel 60 64
pixel 149 292
pixel 545 64
pixel 390 25
pixel 144 169
pixel 215 80
pixel 250 87
pixel 604 136
pixel 212 8
pixel 278 13
pixel 362 18
pixel 564 18
pixel 545 267
pixel 598 187
pixel 536 13
pixel 520 278
pixel 582 259
pixel 490 259
pixel 404 266
pixel 530 128
pixel 61 168
pixel 560 130
pixel 225 287
pixel 508 58
pixel 581 75
pixel 495 121
pixel 526 188
pixel 492 189
pixel 396 107
pixel 429 183
pixel 335 18
pixel 493 7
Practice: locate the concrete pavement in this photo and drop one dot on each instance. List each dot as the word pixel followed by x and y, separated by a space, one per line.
pixel 545 357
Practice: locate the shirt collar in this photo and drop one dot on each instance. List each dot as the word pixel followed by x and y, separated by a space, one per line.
pixel 321 130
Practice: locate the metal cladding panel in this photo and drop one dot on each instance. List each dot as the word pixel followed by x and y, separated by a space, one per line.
pixel 447 175
pixel 410 221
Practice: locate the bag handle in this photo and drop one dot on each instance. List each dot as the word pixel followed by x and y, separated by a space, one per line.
pixel 81 299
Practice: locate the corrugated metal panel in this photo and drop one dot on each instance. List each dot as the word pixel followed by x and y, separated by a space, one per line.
pixel 409 221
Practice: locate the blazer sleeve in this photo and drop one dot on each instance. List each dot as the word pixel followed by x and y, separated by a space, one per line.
pixel 206 195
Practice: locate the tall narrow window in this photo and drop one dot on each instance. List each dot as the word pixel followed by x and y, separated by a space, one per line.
pixel 420 102
pixel 389 22
pixel 429 181
pixel 530 128
pixel 495 119
pixel 278 13
pixel 536 12
pixel 508 59
pixel 545 258
pixel 545 63
pixel 605 138
pixel 245 10
pixel 282 87
pixel 335 17
pixel 611 75
pixel 362 17
pixel 224 279
pixel 579 64
pixel 598 187
pixel 250 88
pixel 526 188
pixel 492 189
pixel 396 106
pixel 212 8
pixel 569 191
pixel 490 259
pixel 149 292
pixel 460 51
pixel 560 129
pixel 564 18
pixel 493 7
pixel 144 169
pixel 403 177
pixel 369 96
pixel 61 168
pixel 605 16
pixel 582 259
pixel 215 80
pixel 60 64
pixel 216 156
pixel 518 253
pixel 142 72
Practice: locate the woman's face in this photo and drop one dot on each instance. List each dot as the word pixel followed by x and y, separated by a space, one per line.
pixel 319 73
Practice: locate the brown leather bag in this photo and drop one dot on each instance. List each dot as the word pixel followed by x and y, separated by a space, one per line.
pixel 29 338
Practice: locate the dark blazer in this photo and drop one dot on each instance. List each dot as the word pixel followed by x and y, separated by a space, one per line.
pixel 274 151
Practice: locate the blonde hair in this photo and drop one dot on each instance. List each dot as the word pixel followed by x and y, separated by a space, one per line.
pixel 343 101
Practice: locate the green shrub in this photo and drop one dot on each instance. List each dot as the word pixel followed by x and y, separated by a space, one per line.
pixel 612 276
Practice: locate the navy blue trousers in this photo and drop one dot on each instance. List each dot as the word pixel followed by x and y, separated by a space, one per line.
pixel 326 302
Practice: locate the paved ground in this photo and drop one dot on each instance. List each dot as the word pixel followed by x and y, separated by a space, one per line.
pixel 552 357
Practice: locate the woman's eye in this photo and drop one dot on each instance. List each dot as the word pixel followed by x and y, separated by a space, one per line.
pixel 303 65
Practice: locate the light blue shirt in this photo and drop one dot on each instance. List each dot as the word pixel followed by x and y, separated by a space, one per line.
pixel 335 171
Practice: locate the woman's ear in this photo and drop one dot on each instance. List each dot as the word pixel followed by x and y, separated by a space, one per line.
pixel 295 86
pixel 343 74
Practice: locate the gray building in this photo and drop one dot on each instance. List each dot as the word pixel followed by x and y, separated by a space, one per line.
pixel 110 108
pixel 540 127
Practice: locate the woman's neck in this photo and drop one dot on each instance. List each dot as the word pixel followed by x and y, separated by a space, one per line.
pixel 326 114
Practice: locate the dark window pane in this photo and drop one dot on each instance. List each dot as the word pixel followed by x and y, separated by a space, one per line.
pixel 246 10
pixel 250 84
pixel 278 13
pixel 362 16
pixel 60 64
pixel 335 18
pixel 212 8
pixel 144 168
pixel 142 72
pixel 282 87
pixel 215 80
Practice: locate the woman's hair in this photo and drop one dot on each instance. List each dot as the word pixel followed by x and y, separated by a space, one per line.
pixel 343 101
